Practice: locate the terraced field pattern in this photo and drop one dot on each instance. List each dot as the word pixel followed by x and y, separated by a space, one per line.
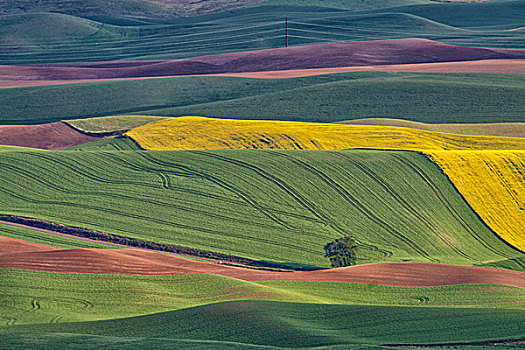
pixel 173 174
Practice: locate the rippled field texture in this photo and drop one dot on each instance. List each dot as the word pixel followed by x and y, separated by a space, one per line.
pixel 493 184
pixel 268 205
pixel 194 133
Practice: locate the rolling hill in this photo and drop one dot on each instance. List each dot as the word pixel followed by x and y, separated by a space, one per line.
pixel 134 37
pixel 492 183
pixel 47 136
pixel 398 204
pixel 488 129
pixel 342 54
pixel 296 325
pixel 429 98
pixel 198 133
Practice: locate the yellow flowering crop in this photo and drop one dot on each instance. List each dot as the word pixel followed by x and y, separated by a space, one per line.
pixel 194 133
pixel 493 183
pixel 490 178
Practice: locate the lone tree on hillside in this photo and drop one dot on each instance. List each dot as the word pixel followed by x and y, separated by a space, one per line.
pixel 342 251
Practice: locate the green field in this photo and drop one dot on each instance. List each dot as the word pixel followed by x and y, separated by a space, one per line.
pixel 491 129
pixel 30 297
pixel 48 239
pixel 280 206
pixel 105 35
pixel 111 124
pixel 429 98
pixel 109 144
pixel 38 341
pixel 295 325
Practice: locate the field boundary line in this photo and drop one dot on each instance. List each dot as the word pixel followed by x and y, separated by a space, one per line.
pixel 429 157
pixel 123 241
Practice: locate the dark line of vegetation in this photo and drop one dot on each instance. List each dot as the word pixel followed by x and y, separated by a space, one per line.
pixel 141 243
pixel 482 342
pixel 100 134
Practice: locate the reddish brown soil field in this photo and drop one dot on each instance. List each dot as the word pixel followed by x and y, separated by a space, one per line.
pixel 330 55
pixel 507 66
pixel 15 254
pixel 16 246
pixel 483 66
pixel 51 136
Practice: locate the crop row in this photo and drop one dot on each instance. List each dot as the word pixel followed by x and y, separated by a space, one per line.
pixel 280 206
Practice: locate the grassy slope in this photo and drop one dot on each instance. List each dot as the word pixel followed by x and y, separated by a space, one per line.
pixel 116 123
pixel 56 30
pixel 430 98
pixel 260 27
pixel 47 239
pixel 491 129
pixel 279 206
pixel 493 184
pixel 164 8
pixel 198 133
pixel 37 341
pixel 23 341
pixel 39 297
pixel 109 144
pixel 289 324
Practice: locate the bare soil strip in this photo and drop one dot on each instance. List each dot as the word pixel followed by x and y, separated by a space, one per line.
pixel 98 236
pixel 510 66
pixel 396 55
pixel 52 136
pixel 148 263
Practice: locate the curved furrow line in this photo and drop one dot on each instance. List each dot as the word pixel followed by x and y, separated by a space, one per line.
pixel 164 180
pixel 205 194
pixel 79 169
pixel 190 209
pixel 348 198
pixel 68 191
pixel 301 200
pixel 355 203
pixel 244 196
pixel 166 223
pixel 443 199
pixel 398 199
pixel 503 180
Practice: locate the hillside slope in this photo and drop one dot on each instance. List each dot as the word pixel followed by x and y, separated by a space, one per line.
pixel 429 98
pixel 198 133
pixel 295 325
pixel 279 206
pixel 342 54
pixel 493 184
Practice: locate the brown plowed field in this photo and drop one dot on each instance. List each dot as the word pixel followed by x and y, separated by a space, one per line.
pixel 51 136
pixel 507 66
pixel 515 66
pixel 330 55
pixel 141 262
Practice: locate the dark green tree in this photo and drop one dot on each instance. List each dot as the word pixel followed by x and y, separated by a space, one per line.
pixel 342 251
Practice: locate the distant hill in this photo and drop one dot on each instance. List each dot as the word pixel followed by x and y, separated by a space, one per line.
pixel 177 8
pixel 102 33
pixel 342 54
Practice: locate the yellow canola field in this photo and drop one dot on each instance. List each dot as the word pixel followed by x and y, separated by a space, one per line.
pixel 195 133
pixel 493 183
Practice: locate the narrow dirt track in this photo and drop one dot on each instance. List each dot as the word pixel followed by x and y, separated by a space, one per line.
pixel 140 262
pixel 52 136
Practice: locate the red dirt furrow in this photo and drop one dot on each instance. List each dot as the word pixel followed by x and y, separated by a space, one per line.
pixel 141 262
pixel 50 136
pixel 329 55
